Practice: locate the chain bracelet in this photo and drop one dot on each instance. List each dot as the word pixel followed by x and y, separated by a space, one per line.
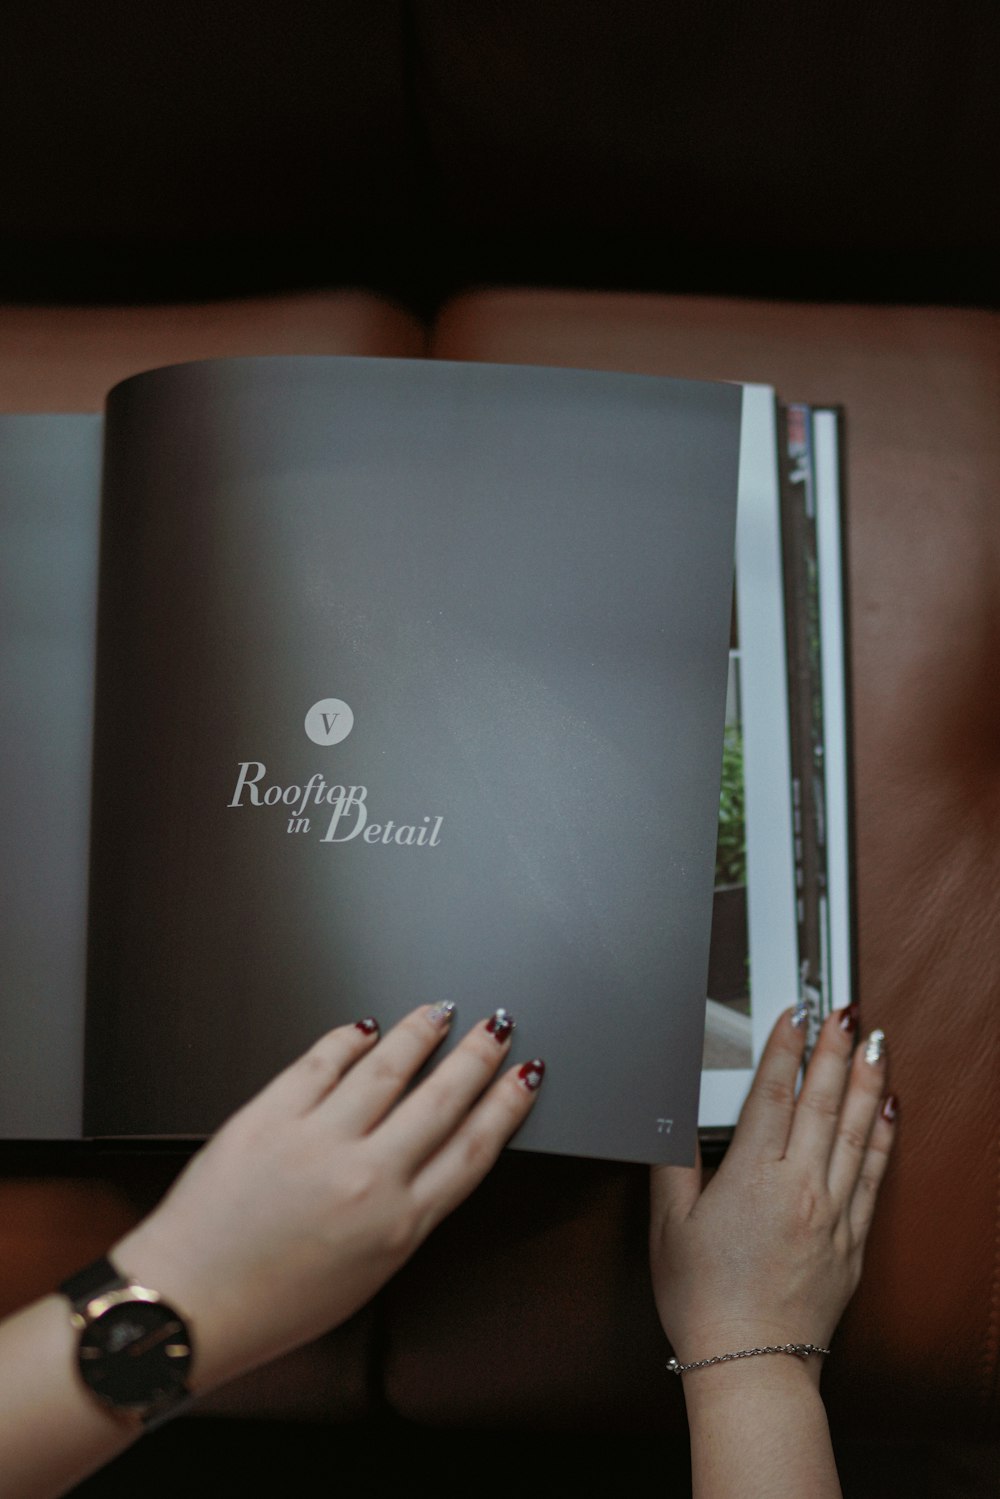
pixel 798 1350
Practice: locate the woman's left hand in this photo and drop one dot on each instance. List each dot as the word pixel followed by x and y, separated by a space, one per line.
pixel 319 1189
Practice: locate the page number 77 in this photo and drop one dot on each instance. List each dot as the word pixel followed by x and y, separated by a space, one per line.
pixel 664 1126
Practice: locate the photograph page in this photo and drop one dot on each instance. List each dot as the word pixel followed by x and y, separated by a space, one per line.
pixel 783 923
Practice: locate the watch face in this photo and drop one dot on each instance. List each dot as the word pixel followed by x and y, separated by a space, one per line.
pixel 135 1353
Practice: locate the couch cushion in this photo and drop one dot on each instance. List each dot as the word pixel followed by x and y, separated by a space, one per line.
pixel 66 358
pixel 555 1272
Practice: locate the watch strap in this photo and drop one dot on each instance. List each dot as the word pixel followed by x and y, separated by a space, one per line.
pixel 92 1281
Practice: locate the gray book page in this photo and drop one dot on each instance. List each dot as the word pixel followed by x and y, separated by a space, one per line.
pixel 412 685
pixel 49 498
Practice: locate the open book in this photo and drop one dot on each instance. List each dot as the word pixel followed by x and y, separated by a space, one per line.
pixel 413 681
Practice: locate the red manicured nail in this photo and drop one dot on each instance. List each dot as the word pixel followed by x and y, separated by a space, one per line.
pixel 890 1108
pixel 531 1074
pixel 500 1025
pixel 368 1026
pixel 849 1019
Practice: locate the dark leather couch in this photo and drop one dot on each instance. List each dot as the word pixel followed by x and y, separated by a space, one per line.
pixel 764 192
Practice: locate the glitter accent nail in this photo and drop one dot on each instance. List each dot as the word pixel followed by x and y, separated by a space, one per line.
pixel 875 1047
pixel 800 1014
pixel 500 1025
pixel 531 1074
pixel 368 1026
pixel 443 1013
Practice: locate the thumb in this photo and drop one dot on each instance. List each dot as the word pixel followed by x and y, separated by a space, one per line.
pixel 674 1190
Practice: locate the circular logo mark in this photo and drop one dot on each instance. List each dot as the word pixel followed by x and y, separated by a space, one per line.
pixel 329 721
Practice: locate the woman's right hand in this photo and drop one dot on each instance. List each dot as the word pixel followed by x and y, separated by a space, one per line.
pixel 770 1252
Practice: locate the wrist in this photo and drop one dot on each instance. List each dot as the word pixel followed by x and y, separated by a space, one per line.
pixel 764 1376
pixel 229 1318
pixel 54 1432
pixel 146 1256
pixel 758 1428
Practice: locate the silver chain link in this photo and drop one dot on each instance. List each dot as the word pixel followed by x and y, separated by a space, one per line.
pixel 798 1350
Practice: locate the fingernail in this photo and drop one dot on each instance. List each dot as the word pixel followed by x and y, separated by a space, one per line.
pixel 800 1014
pixel 890 1108
pixel 531 1074
pixel 368 1026
pixel 500 1025
pixel 875 1047
pixel 443 1013
pixel 849 1019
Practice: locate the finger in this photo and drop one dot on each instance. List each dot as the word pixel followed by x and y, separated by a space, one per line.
pixel 817 1112
pixel 766 1117
pixel 873 1169
pixel 379 1079
pixel 865 1090
pixel 313 1075
pixel 674 1190
pixel 462 1162
pixel 433 1111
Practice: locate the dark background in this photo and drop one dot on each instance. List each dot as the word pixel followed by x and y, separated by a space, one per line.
pixel 169 149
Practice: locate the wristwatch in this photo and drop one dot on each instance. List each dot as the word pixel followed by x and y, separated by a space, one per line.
pixel 135 1350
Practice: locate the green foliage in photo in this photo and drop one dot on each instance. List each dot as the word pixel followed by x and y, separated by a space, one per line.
pixel 731 849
